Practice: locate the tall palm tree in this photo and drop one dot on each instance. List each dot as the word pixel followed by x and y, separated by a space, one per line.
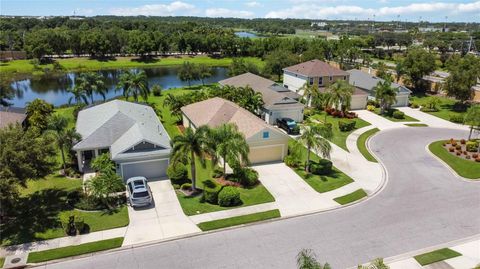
pixel 192 144
pixel 134 84
pixel 385 94
pixel 174 103
pixel 57 126
pixel 79 95
pixel 247 98
pixel 341 95
pixel 306 259
pixel 228 144
pixel 309 92
pixel 92 83
pixel 315 136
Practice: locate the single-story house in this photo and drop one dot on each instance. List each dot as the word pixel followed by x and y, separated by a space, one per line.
pixel 314 72
pixel 367 82
pixel 279 102
pixel 267 144
pixel 131 133
pixel 11 115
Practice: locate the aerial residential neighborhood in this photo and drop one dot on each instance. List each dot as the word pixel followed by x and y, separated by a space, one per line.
pixel 240 134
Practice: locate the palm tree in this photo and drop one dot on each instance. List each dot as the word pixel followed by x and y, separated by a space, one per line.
pixel 375 264
pixel 309 92
pixel 341 95
pixel 385 94
pixel 228 144
pixel 247 98
pixel 134 84
pixel 174 103
pixel 79 95
pixel 306 259
pixel 314 136
pixel 192 144
pixel 57 126
pixel 92 83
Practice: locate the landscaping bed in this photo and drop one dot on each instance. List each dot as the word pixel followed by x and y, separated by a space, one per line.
pixel 223 223
pixel 351 197
pixel 394 115
pixel 436 256
pixel 362 144
pixel 454 153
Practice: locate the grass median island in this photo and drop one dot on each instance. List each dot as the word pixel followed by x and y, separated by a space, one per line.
pixel 416 124
pixel 465 168
pixel 58 253
pixel 436 256
pixel 362 144
pixel 339 137
pixel 351 197
pixel 222 223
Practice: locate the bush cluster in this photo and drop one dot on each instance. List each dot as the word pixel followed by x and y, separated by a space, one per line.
pixel 472 146
pixel 72 222
pixel 245 176
pixel 456 118
pixel 346 126
pixel 210 191
pixel 229 196
pixel 322 167
pixel 398 115
pixel 177 173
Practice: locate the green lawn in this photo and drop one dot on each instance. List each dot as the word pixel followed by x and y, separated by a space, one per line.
pixel 2 261
pixel 58 253
pixel 322 183
pixel 445 107
pixel 362 144
pixel 406 118
pixel 222 223
pixel 50 182
pixel 465 168
pixel 351 197
pixel 436 256
pixel 86 64
pixel 339 137
pixel 416 124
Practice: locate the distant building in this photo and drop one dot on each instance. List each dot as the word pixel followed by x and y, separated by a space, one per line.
pixel 319 24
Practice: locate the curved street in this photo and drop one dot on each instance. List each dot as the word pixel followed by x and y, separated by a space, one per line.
pixel 422 205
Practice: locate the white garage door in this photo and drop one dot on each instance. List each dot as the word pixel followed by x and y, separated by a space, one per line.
pixel 402 100
pixel 150 169
pixel 266 154
pixel 358 102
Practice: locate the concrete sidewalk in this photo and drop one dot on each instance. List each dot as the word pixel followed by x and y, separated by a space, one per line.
pixel 229 213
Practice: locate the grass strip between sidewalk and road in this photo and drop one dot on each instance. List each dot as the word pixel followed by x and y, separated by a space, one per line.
pixel 465 168
pixel 351 197
pixel 416 124
pixel 362 144
pixel 436 256
pixel 58 253
pixel 223 223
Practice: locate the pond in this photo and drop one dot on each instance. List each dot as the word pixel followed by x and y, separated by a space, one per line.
pixel 53 88
pixel 245 34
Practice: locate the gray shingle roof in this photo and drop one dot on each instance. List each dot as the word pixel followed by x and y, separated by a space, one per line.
pixel 368 81
pixel 120 125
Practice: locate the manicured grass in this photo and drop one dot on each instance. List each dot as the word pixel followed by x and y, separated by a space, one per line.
pixel 339 137
pixel 58 253
pixel 51 182
pixel 406 118
pixel 436 256
pixel 416 125
pixel 362 144
pixel 194 205
pixel 2 261
pixel 86 64
pixel 445 107
pixel 319 183
pixel 465 168
pixel 351 197
pixel 222 223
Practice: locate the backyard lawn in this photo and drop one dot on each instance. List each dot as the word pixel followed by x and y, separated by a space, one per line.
pixel 362 144
pixel 406 118
pixel 339 137
pixel 445 107
pixel 465 168
pixel 322 183
pixel 222 223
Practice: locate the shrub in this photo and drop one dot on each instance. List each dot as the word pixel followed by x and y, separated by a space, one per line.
pixel 398 115
pixel 372 103
pixel 456 118
pixel 217 173
pixel 457 147
pixel 72 222
pixel 389 112
pixel 462 141
pixel 323 167
pixel 177 173
pixel 459 153
pixel 90 203
pixel 415 105
pixel 186 186
pixel 296 130
pixel 429 109
pixel 475 155
pixel 229 196
pixel 307 112
pixel 346 126
pixel 370 107
pixel 157 90
pixel 291 161
pixel 452 140
pixel 472 146
pixel 477 160
pixel 246 176
pixel 451 149
pixel 468 157
pixel 210 191
pixel 465 152
pixel 454 144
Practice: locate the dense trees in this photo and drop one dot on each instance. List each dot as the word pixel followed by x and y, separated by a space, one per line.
pixel 65 137
pixel 416 64
pixel 190 71
pixel 134 84
pixel 38 112
pixel 464 72
pixel 275 61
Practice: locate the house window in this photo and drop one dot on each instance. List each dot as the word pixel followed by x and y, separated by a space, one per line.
pixel 344 77
pixel 311 81
pixel 320 81
pixel 330 78
pixel 266 134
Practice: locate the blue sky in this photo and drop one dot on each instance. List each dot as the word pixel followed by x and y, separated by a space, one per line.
pixel 410 10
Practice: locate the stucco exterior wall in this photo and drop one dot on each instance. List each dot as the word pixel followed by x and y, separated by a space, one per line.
pixel 293 82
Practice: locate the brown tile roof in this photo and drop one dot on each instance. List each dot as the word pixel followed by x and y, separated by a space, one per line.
pixel 217 111
pixel 11 116
pixel 315 68
pixel 270 97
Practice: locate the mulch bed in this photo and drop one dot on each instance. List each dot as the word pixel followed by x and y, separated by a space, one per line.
pixel 225 182
pixel 190 192
pixel 458 148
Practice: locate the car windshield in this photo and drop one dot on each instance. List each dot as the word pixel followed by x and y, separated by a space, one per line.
pixel 140 194
pixel 291 123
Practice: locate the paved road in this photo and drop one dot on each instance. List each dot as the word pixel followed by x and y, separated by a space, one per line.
pixel 422 205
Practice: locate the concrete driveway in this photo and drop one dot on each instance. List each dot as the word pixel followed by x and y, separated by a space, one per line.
pixel 164 219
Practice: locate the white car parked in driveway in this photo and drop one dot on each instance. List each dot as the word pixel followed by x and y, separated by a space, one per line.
pixel 139 192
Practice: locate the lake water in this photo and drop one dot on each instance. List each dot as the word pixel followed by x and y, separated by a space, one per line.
pixel 53 88
pixel 245 34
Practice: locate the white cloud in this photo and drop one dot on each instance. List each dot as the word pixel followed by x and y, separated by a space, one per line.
pixel 172 9
pixel 318 11
pixel 227 13
pixel 253 4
